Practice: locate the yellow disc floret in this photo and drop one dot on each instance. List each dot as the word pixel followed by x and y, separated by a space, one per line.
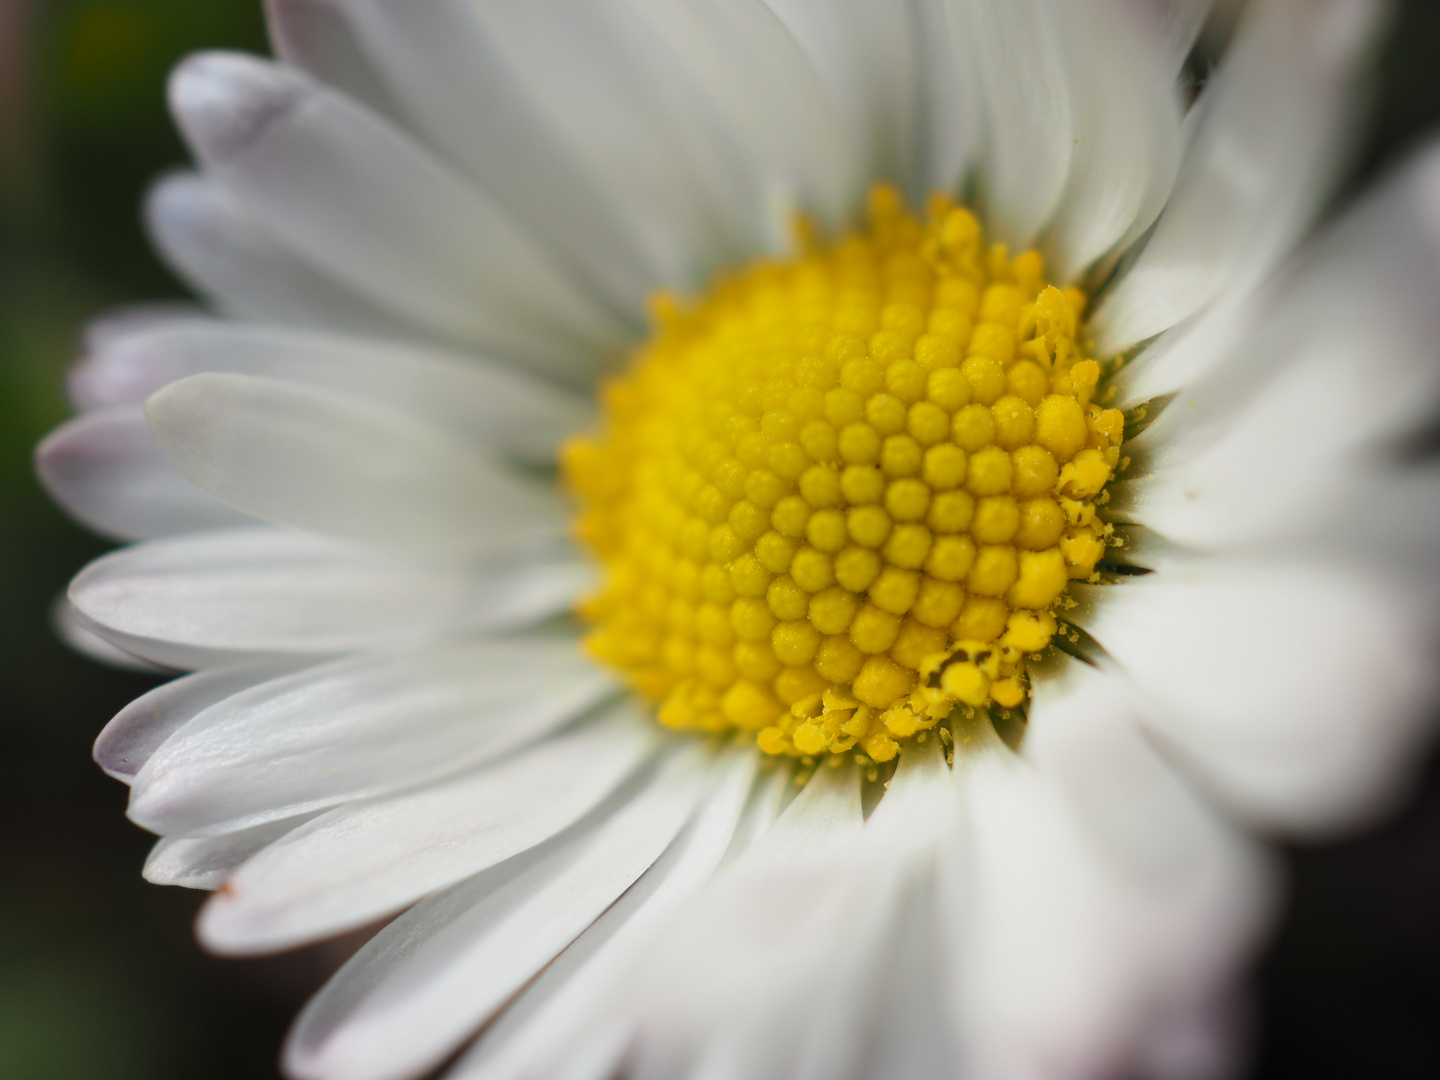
pixel 843 492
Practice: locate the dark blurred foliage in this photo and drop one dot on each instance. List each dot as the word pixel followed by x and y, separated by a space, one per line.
pixel 99 977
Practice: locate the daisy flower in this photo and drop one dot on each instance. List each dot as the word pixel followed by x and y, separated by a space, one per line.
pixel 767 538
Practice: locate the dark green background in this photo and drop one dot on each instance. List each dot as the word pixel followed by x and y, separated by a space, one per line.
pixel 99 978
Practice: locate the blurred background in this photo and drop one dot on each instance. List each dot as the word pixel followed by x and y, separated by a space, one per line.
pixel 99 976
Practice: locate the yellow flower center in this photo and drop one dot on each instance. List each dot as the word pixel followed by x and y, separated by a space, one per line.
pixel 843 492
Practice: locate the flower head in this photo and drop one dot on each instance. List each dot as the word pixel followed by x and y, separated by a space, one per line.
pixel 875 667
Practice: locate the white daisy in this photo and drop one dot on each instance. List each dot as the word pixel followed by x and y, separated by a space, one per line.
pixel 827 510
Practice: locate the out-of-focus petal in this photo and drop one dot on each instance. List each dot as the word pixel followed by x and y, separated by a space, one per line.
pixel 341 466
pixel 1263 153
pixel 360 727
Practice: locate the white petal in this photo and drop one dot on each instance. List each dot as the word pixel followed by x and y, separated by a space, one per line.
pixel 457 90
pixel 623 107
pixel 951 117
pixel 71 629
pixel 578 993
pixel 1030 128
pixel 1172 26
pixel 136 731
pixel 423 984
pixel 1292 436
pixel 220 249
pixel 318 36
pixel 912 1038
pixel 1103 891
pixel 868 55
pixel 105 471
pixel 1263 153
pixel 775 108
pixel 1362 286
pixel 120 322
pixel 359 727
pixel 474 397
pixel 206 862
pixel 1127 138
pixel 342 466
pixel 272 591
pixel 364 860
pixel 1297 689
pixel 764 934
pixel 362 201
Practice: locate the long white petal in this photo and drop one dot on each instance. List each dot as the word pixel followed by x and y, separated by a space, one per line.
pixel 559 1014
pixel 1127 138
pixel 105 470
pixel 372 208
pixel 1104 893
pixel 272 591
pixel 775 108
pixel 1298 689
pixel 136 731
pixel 1262 156
pixel 1172 26
pixel 219 248
pixel 1292 436
pixel 763 932
pixel 1360 285
pixel 342 466
pixel 868 55
pixel 637 123
pixel 455 89
pixel 125 320
pixel 319 36
pixel 359 727
pixel 425 982
pixel 206 862
pixel 475 397
pixel 1030 126
pixel 951 115
pixel 70 628
pixel 366 859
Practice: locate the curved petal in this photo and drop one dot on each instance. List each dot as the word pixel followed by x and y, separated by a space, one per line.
pixel 364 860
pixel 1127 138
pixel 764 934
pixel 557 1014
pixel 1030 127
pixel 1263 153
pixel 1297 691
pixel 1103 893
pixel 951 118
pixel 416 991
pixel 359 199
pixel 359 727
pixel 71 629
pixel 220 249
pixel 271 591
pixel 121 322
pixel 1362 285
pixel 625 108
pixel 341 466
pixel 770 99
pixel 456 89
pixel 318 36
pixel 869 57
pixel 207 862
pixel 137 731
pixel 472 396
pixel 105 470
pixel 1172 26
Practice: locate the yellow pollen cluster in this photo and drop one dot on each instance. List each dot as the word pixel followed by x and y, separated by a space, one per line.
pixel 844 491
